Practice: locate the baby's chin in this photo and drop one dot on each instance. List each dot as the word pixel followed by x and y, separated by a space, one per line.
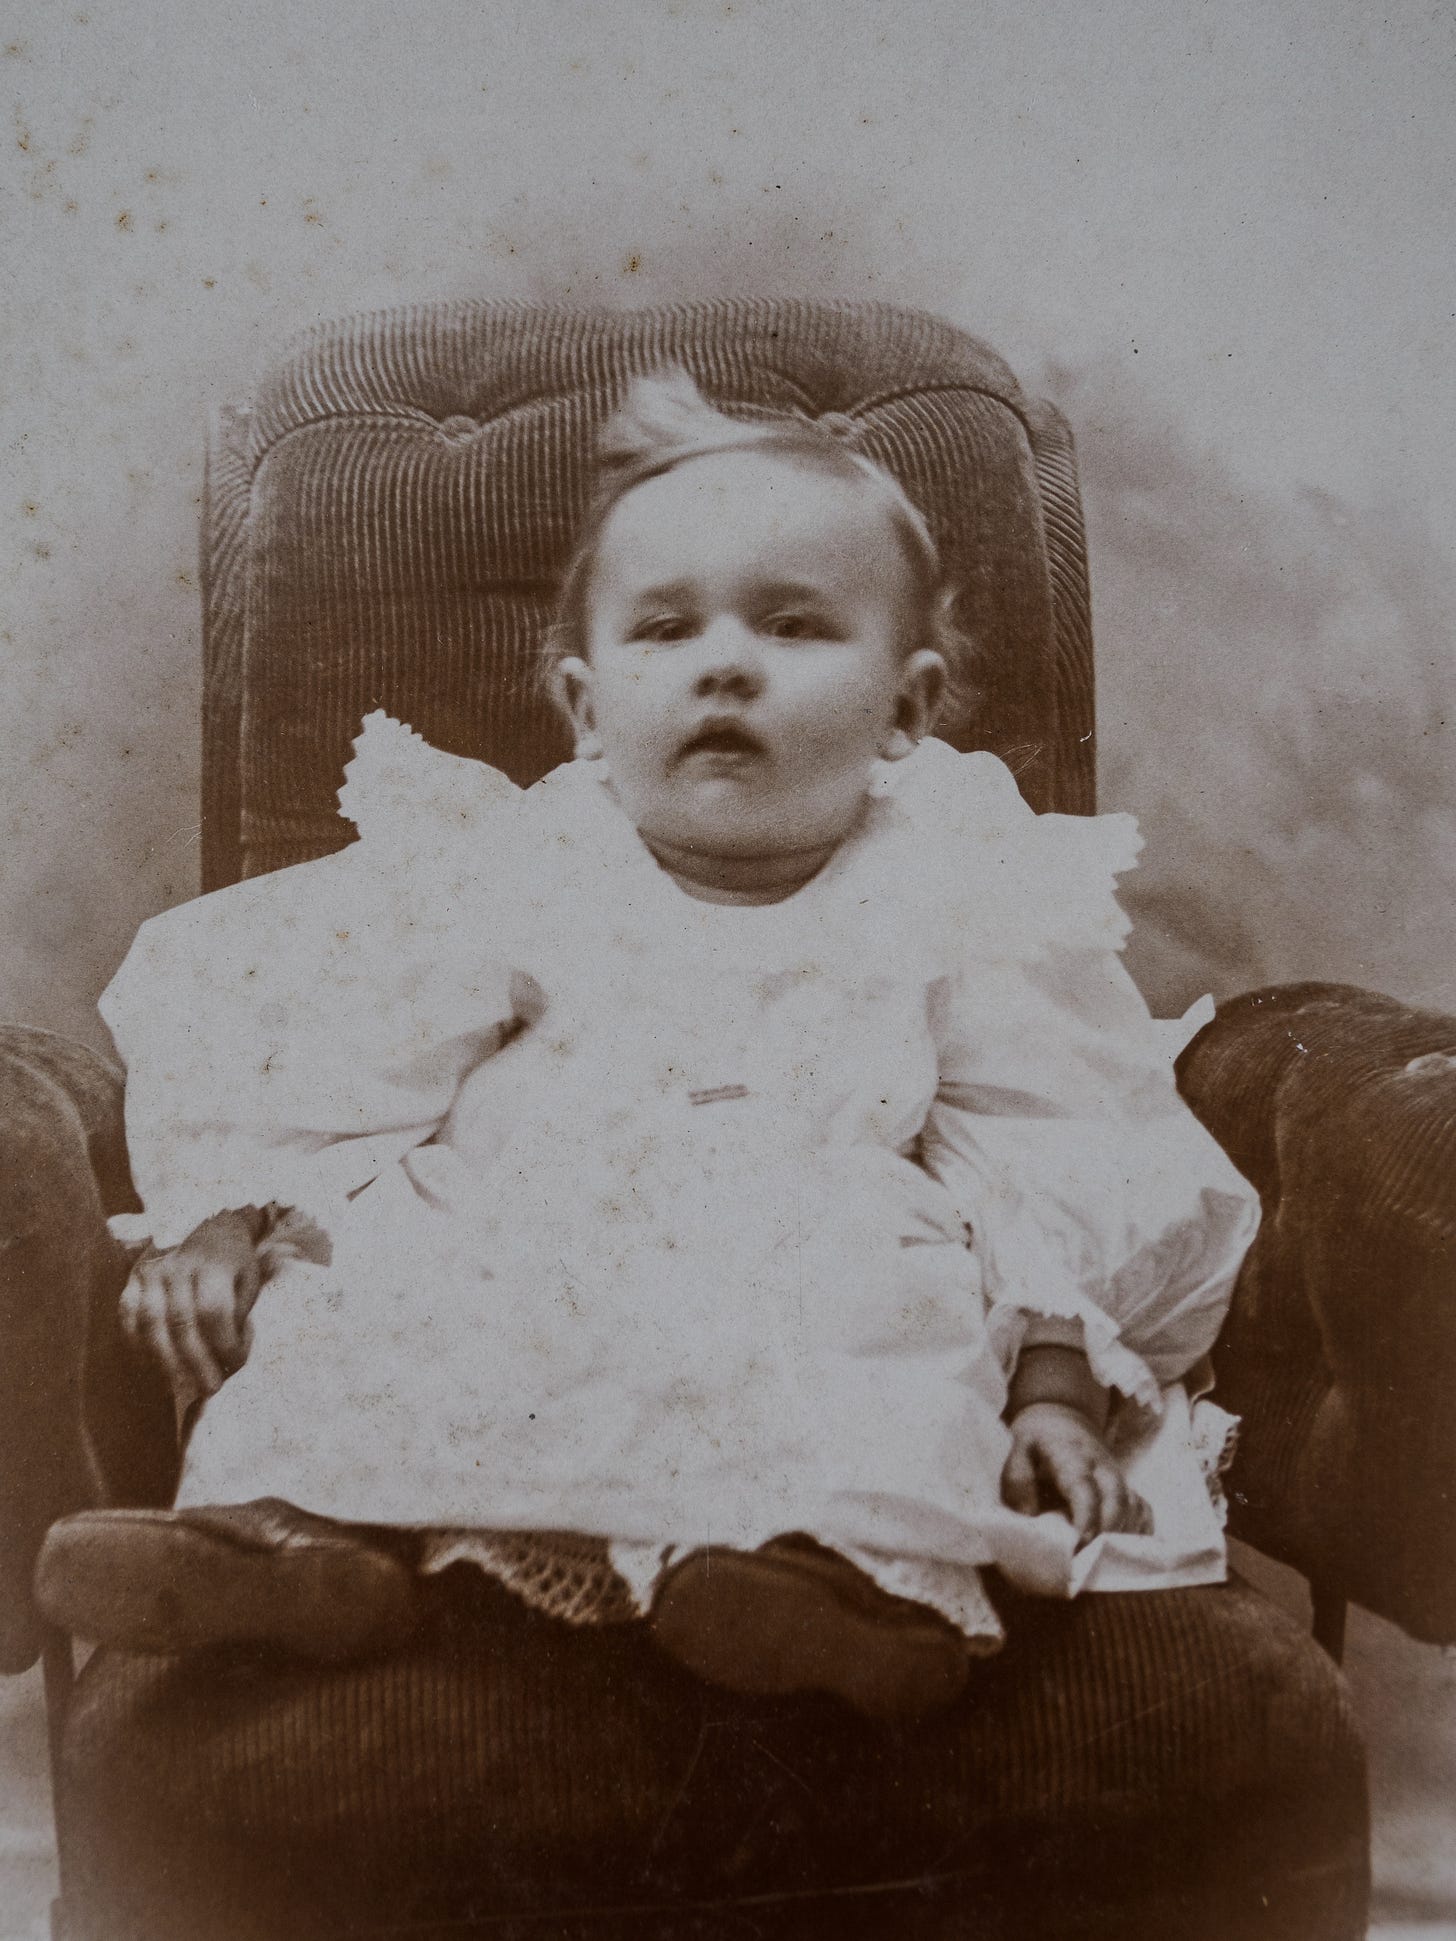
pixel 742 810
pixel 728 823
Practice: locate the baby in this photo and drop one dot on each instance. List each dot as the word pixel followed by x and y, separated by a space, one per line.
pixel 734 1176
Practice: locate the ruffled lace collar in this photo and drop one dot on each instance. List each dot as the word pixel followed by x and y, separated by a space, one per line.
pixel 946 845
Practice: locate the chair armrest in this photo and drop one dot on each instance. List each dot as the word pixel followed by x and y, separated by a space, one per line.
pixel 78 1416
pixel 1340 1348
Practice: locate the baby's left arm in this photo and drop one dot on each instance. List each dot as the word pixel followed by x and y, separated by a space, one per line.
pixel 1057 1411
pixel 1095 1196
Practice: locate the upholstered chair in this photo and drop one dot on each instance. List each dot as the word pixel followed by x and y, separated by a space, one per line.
pixel 384 526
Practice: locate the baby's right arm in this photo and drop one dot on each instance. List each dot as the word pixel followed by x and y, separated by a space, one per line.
pixel 189 1305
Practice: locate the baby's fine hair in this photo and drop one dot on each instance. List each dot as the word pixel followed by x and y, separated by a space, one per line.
pixel 665 421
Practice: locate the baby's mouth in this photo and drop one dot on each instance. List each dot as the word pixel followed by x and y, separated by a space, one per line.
pixel 723 737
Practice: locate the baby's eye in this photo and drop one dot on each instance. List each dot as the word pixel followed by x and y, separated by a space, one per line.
pixel 662 628
pixel 795 626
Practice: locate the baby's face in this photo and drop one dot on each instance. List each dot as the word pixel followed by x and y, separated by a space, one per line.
pixel 746 663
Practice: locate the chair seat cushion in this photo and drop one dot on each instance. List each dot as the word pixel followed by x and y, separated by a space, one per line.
pixel 1155 1750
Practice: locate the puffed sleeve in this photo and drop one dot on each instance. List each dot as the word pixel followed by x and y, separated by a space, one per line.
pixel 288 1037
pixel 1103 1212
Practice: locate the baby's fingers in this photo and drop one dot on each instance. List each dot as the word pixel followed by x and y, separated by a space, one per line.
pixel 1136 1516
pixel 217 1308
pixel 140 1295
pixel 1018 1482
pixel 146 1316
pixel 1088 1488
pixel 1077 1487
pixel 159 1311
pixel 171 1331
pixel 1120 1507
pixel 194 1323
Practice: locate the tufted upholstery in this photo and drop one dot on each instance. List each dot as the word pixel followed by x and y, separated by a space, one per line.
pixel 387 524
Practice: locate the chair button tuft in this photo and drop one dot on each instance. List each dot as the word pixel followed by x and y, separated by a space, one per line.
pixel 1432 1064
pixel 458 429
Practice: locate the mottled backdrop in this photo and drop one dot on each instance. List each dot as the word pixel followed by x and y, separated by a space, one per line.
pixel 1219 236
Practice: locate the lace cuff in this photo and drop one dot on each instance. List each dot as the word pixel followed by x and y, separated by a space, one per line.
pixel 279 1234
pixel 1214 1434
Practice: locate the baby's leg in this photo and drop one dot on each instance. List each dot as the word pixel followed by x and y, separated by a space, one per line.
pixel 795 1616
pixel 260 1573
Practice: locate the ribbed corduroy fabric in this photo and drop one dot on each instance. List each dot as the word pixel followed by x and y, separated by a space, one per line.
pixel 1127 1761
pixel 1340 1351
pixel 387 525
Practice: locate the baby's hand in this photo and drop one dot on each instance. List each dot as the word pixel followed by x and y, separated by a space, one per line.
pixel 1055 1449
pixel 189 1306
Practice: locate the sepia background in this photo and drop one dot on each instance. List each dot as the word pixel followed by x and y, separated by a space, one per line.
pixel 1218 236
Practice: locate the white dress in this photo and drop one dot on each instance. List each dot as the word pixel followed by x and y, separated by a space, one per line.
pixel 670 1223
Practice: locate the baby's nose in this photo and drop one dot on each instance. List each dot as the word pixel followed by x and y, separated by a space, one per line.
pixel 731 660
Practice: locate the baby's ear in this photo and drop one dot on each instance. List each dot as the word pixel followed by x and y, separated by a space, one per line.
pixel 918 696
pixel 571 685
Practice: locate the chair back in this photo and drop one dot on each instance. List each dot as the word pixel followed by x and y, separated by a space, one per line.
pixel 387 522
